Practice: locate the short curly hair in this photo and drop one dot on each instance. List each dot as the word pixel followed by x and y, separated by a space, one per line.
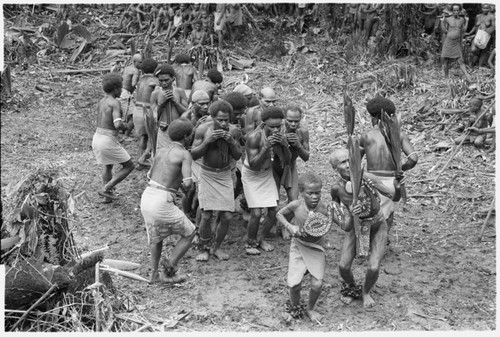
pixel 272 112
pixel 220 105
pixel 182 58
pixel 296 108
pixel 379 103
pixel 237 100
pixel 164 69
pixel 309 178
pixel 111 81
pixel 148 66
pixel 180 128
pixel 214 75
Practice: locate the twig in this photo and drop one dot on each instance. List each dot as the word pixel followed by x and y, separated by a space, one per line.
pixel 431 317
pixel 47 293
pixel 459 145
pixel 96 299
pixel 274 268
pixel 492 207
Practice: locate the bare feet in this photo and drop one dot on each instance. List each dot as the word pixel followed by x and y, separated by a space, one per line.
pixel 220 254
pixel 107 194
pixel 313 315
pixel 266 246
pixel 203 256
pixel 346 299
pixel 368 301
pixel 252 251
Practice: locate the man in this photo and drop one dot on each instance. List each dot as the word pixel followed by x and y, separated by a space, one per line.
pixel 170 170
pixel 378 156
pixel 235 21
pixel 197 114
pixel 130 79
pixel 483 29
pixel 219 22
pixel 474 115
pixel 185 73
pixel 248 93
pixel 452 46
pixel 167 103
pixel 210 85
pixel 105 145
pixel 145 87
pixel 198 35
pixel 263 146
pixel 370 215
pixel 267 98
pixel 217 142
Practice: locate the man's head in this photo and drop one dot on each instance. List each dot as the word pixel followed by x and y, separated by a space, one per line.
pixel 180 130
pixel 137 60
pixel 245 90
pixel 220 111
pixel 272 117
pixel 148 66
pixel 485 8
pixel 238 102
pixel 112 84
pixel 215 76
pixel 293 116
pixel 339 160
pixel 201 102
pixel 267 97
pixel 475 104
pixel 166 76
pixel 379 103
pixel 182 58
pixel 310 185
pixel 197 25
pixel 456 8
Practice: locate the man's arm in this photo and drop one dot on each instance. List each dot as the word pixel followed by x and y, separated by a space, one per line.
pixel 379 185
pixel 407 148
pixel 233 141
pixel 186 170
pixel 303 149
pixel 255 152
pixel 200 145
pixel 117 115
pixel 341 216
pixel 135 78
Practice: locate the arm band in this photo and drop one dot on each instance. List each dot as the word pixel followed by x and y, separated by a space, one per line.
pixel 117 119
pixel 414 152
pixel 188 178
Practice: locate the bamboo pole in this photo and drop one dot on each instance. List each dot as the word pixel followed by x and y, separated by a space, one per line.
pixel 459 145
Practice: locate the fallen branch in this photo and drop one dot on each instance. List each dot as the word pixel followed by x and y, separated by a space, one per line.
pixel 82 71
pixel 431 317
pixel 124 273
pixel 40 300
pixel 459 145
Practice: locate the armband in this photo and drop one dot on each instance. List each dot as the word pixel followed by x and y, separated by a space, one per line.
pixel 118 119
pixel 414 152
pixel 188 178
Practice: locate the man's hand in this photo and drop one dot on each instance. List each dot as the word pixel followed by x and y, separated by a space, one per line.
pixel 277 139
pixel 474 129
pixel 166 96
pixel 227 136
pixel 292 139
pixel 213 135
pixel 356 210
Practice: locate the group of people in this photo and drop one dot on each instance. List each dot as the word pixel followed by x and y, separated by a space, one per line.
pixel 213 146
pixel 453 25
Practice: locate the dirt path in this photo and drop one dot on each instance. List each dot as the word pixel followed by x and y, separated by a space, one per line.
pixel 435 276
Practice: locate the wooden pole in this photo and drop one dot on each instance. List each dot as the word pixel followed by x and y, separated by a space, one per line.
pixel 492 207
pixel 459 145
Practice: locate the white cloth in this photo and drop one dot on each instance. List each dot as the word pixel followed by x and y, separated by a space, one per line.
pixel 481 39
pixel 259 188
pixel 107 149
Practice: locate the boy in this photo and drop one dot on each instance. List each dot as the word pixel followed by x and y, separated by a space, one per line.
pixel 105 145
pixel 306 251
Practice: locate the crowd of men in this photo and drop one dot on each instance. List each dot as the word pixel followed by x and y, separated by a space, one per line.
pixel 214 147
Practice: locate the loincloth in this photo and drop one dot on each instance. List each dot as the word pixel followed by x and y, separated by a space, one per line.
pixel 305 257
pixel 386 204
pixel 140 119
pixel 216 189
pixel 127 102
pixel 481 39
pixel 196 169
pixel 107 149
pixel 162 217
pixel 220 26
pixel 259 188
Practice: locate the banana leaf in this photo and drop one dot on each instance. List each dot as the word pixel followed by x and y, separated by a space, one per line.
pixel 391 130
pixel 349 113
pixel 356 174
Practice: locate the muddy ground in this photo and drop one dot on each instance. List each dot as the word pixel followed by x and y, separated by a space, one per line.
pixel 436 275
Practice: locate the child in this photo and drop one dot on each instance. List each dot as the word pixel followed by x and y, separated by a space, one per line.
pixel 312 222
